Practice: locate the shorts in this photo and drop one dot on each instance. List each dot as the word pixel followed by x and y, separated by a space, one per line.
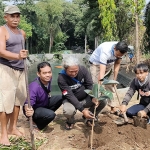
pixel 12 88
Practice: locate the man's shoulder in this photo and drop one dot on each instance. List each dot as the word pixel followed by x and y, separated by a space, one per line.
pixel 3 30
pixel 34 84
pixel 108 44
pixel 82 68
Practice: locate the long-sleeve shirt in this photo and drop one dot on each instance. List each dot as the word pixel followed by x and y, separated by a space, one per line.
pixel 38 96
pixel 73 91
pixel 135 86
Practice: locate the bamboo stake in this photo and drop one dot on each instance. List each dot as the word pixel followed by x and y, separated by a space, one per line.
pixel 28 98
pixel 93 129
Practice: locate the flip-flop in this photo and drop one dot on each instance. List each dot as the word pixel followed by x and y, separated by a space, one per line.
pixel 117 112
pixel 69 126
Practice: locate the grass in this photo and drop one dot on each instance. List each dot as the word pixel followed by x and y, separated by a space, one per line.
pixel 22 144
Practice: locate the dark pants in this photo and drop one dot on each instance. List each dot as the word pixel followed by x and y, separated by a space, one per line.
pixel 43 116
pixel 133 110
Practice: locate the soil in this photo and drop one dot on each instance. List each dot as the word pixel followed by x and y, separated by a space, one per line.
pixel 107 135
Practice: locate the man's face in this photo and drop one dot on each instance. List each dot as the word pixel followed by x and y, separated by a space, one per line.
pixel 12 19
pixel 72 71
pixel 45 74
pixel 118 54
pixel 141 75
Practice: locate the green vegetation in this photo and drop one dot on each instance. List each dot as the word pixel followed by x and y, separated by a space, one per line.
pixel 22 144
pixel 56 25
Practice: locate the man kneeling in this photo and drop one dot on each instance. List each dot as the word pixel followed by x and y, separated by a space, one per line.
pixel 44 105
pixel 73 80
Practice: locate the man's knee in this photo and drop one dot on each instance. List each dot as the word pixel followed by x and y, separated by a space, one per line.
pixel 51 115
pixel 130 113
pixel 69 111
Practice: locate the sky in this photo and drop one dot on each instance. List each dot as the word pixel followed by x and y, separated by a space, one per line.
pixel 147 1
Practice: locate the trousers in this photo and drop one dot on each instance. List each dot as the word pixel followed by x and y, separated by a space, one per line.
pixel 43 116
pixel 69 110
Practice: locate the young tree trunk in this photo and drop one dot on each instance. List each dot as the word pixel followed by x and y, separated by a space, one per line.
pixel 96 42
pixel 136 34
pixel 50 42
pixel 85 44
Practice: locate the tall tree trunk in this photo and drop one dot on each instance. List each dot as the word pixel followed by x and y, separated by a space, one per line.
pixel 136 34
pixel 96 42
pixel 50 42
pixel 27 44
pixel 85 40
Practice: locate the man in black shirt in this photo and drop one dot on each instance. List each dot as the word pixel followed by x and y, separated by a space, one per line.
pixel 72 81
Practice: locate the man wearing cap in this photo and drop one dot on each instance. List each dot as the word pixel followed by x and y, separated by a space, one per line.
pixel 12 77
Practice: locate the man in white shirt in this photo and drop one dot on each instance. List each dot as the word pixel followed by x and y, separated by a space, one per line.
pixel 107 56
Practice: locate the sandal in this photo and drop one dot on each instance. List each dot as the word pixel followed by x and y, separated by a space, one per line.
pixel 69 126
pixel 117 112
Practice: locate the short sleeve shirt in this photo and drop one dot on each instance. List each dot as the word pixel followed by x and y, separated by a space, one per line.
pixel 104 54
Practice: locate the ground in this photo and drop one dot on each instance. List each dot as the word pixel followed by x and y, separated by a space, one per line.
pixel 107 135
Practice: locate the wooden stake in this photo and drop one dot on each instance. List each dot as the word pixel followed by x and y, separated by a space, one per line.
pixel 93 129
pixel 28 98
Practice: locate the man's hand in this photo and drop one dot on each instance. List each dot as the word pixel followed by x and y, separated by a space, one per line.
pixel 147 93
pixel 123 108
pixel 142 114
pixel 96 102
pixel 23 54
pixel 29 111
pixel 87 114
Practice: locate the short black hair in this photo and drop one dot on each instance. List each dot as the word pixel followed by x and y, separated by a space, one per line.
pixel 122 47
pixel 141 67
pixel 42 65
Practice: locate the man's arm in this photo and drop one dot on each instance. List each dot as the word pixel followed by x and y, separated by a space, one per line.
pixel 7 54
pixel 102 68
pixel 116 68
pixel 68 94
pixel 128 96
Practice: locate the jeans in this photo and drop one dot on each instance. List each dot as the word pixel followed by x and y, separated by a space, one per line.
pixel 43 116
pixel 133 110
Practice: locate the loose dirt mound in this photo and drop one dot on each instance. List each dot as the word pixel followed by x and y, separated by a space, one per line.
pixel 107 136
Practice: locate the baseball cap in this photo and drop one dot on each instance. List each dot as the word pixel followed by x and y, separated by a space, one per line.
pixel 11 9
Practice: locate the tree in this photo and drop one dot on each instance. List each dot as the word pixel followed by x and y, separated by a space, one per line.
pixel 146 40
pixel 108 19
pixel 27 28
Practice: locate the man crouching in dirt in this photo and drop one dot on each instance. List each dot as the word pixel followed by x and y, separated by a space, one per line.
pixel 141 84
pixel 44 105
pixel 73 80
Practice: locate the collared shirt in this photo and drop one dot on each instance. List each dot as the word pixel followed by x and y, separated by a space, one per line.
pixel 104 54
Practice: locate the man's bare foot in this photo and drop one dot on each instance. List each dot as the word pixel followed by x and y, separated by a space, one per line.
pixel 4 141
pixel 15 132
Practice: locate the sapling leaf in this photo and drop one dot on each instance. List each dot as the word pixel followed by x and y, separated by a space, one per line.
pixel 102 98
pixel 89 92
pixel 108 94
pixel 109 82
pixel 101 89
pixel 95 90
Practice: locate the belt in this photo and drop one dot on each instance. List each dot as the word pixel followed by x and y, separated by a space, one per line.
pixel 90 62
